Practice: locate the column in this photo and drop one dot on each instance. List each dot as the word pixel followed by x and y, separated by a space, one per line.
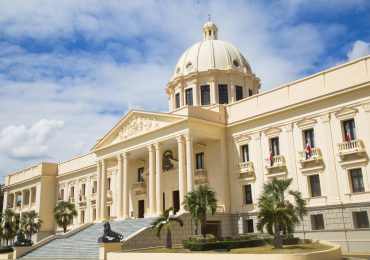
pixel 5 202
pixel 22 201
pixel 103 191
pixel 14 200
pixel 195 95
pixel 119 187
pixel 213 91
pixel 151 180
pixel 126 203
pixel 98 190
pixel 189 162
pixel 182 181
pixel 158 174
pixel 182 97
pixel 290 155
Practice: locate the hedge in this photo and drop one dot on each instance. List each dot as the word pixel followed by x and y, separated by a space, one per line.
pixel 6 249
pixel 196 246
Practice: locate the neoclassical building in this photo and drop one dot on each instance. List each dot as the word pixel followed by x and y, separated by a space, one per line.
pixel 222 131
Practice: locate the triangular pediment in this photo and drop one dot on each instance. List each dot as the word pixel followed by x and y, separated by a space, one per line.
pixel 272 131
pixel 306 122
pixel 134 124
pixel 346 112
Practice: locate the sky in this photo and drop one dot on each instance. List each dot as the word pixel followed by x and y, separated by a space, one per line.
pixel 70 70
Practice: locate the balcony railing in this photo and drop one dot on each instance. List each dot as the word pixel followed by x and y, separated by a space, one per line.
pixel 139 187
pixel 246 167
pixel 351 147
pixel 315 155
pixel 200 176
pixel 277 161
pixel 82 199
pixel 93 197
pixel 71 200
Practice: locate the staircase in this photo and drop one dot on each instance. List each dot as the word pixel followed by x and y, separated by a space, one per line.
pixel 84 244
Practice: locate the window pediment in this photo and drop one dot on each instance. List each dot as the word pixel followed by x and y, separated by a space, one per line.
pixel 346 112
pixel 199 148
pixel 272 132
pixel 242 138
pixel 306 123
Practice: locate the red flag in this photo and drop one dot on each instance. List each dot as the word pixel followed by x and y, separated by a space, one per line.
pixel 271 156
pixel 348 136
pixel 308 149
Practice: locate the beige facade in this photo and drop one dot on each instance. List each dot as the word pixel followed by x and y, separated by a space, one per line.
pixel 219 130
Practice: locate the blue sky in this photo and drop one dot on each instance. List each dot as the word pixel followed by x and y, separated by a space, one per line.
pixel 70 70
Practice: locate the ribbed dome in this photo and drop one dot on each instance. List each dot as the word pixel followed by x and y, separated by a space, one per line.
pixel 210 54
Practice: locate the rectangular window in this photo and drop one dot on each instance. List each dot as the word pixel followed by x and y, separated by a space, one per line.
pixel 349 130
pixel 360 219
pixel 109 183
pixel 315 185
pixel 72 192
pixel 223 96
pixel 61 195
pixel 189 96
pixel 94 187
pixel 94 214
pixel 108 211
pixel 205 95
pixel 140 177
pixel 274 143
pixel 248 194
pixel 238 93
pixel 245 153
pixel 309 138
pixel 317 222
pixel 248 226
pixel 177 100
pixel 199 160
pixel 250 92
pixel 357 180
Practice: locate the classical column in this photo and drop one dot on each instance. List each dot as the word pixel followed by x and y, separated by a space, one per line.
pixel 290 156
pixel 189 162
pixel 182 181
pixel 213 93
pixel 158 173
pixel 151 180
pixel 119 187
pixel 98 190
pixel 22 201
pixel 195 95
pixel 126 203
pixel 103 191
pixel 5 202
pixel 14 200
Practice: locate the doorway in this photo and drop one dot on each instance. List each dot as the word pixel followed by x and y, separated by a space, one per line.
pixel 214 228
pixel 176 201
pixel 141 209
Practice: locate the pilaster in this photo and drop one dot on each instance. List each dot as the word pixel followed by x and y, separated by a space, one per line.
pixel 126 205
pixel 182 180
pixel 158 171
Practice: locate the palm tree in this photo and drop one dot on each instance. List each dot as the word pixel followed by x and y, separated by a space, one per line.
pixel 198 202
pixel 277 212
pixel 30 223
pixel 64 212
pixel 8 225
pixel 165 221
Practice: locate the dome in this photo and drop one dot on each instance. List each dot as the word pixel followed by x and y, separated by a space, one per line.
pixel 210 54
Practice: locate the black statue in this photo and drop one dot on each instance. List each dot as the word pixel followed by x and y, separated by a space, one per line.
pixel 109 235
pixel 166 161
pixel 22 241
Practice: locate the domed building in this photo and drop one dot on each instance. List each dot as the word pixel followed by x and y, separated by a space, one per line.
pixel 220 131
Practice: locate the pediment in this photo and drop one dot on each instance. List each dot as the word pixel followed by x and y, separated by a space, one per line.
pixel 306 123
pixel 136 123
pixel 242 138
pixel 346 112
pixel 272 132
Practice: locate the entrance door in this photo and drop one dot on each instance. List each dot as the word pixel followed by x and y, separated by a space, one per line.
pixel 176 201
pixel 214 228
pixel 141 209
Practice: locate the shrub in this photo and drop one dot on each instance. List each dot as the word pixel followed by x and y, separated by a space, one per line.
pixel 201 239
pixel 286 239
pixel 6 249
pixel 196 246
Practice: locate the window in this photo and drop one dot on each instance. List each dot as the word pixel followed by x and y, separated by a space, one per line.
pixel 83 188
pixel 189 96
pixel 223 97
pixel 349 130
pixel 315 185
pixel 140 177
pixel 94 187
pixel 249 227
pixel 357 181
pixel 199 160
pixel 248 194
pixel 61 194
pixel 274 143
pixel 250 92
pixel 360 219
pixel 108 211
pixel 72 192
pixel 205 96
pixel 309 138
pixel 238 92
pixel 94 214
pixel 82 216
pixel 109 183
pixel 317 222
pixel 177 100
pixel 245 153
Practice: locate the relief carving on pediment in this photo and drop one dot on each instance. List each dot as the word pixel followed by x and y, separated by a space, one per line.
pixel 138 125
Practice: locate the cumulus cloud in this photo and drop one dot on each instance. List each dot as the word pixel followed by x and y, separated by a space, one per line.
pixel 359 49
pixel 22 143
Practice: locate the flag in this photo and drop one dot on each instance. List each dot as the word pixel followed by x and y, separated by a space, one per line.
pixel 271 158
pixel 308 151
pixel 348 135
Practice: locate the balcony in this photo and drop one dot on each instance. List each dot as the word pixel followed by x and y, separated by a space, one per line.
pixel 277 165
pixel 354 147
pixel 139 188
pixel 71 200
pixel 82 200
pixel 109 195
pixel 93 198
pixel 200 176
pixel 246 171
pixel 313 161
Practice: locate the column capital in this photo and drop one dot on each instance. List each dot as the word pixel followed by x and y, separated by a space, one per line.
pixel 288 127
pixel 366 107
pixel 325 118
pixel 158 146
pixel 119 157
pixel 179 139
pixel 256 136
pixel 102 162
pixel 150 147
pixel 125 155
pixel 188 137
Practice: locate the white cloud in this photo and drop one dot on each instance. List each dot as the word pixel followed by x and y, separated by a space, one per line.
pixel 359 49
pixel 22 143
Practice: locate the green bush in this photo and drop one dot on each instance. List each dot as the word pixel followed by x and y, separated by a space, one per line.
pixel 196 246
pixel 201 239
pixel 245 237
pixel 287 240
pixel 6 249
